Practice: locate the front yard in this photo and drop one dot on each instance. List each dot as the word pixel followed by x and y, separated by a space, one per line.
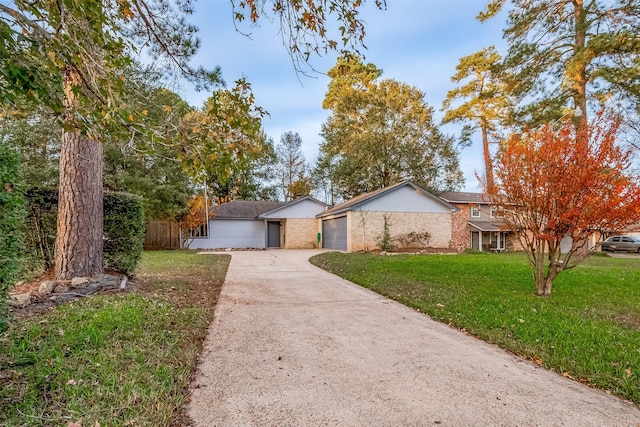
pixel 127 358
pixel 123 359
pixel 589 329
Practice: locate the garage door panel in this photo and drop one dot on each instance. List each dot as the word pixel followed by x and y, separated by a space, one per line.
pixel 334 233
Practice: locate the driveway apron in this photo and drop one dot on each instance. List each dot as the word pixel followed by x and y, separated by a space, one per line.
pixel 293 345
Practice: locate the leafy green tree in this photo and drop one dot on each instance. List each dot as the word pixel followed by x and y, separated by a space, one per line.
pixel 486 101
pixel 68 54
pixel 381 132
pixel 35 133
pixel 222 141
pixel 323 188
pixel 147 163
pixel 251 179
pixel 141 164
pixel 565 55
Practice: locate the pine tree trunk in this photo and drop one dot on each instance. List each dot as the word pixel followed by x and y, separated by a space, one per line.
pixel 488 165
pixel 78 249
pixel 580 71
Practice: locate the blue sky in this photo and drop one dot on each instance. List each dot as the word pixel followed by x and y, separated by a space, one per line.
pixel 418 42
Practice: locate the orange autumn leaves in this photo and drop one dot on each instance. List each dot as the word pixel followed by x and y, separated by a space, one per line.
pixel 567 178
pixel 564 180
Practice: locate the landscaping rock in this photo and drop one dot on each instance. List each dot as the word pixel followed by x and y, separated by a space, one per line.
pixel 20 300
pixel 80 281
pixel 60 298
pixel 53 292
pixel 107 280
pixel 47 287
pixel 60 289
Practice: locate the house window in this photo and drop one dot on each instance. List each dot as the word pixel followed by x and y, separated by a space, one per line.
pixel 494 212
pixel 475 212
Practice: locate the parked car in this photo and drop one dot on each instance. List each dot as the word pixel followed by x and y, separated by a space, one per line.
pixel 621 243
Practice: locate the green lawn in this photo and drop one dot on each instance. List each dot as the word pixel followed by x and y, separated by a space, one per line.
pixel 119 359
pixel 588 329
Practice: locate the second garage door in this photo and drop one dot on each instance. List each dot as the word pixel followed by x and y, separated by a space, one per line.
pixel 334 233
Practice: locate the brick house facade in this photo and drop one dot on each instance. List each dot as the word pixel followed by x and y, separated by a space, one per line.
pixel 416 219
pixel 476 225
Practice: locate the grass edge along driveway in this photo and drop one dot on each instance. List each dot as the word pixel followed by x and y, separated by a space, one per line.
pixel 121 359
pixel 588 329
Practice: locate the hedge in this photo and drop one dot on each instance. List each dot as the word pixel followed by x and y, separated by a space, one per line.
pixel 12 215
pixel 124 227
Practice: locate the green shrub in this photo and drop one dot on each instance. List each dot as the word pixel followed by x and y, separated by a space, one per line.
pixel 385 241
pixel 12 216
pixel 42 211
pixel 124 227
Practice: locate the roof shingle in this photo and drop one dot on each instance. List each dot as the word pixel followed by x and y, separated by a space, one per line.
pixel 464 197
pixel 244 209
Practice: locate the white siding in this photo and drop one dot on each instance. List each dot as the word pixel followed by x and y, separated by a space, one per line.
pixel 228 233
pixel 405 199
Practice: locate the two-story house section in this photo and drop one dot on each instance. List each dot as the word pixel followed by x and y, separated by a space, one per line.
pixel 477 225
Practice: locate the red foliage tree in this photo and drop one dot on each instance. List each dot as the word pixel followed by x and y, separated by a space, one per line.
pixel 552 183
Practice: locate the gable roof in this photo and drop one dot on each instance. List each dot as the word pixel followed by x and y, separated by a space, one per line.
pixel 244 209
pixel 464 197
pixel 367 197
pixel 293 202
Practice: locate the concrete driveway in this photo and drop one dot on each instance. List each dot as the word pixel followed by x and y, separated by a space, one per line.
pixel 292 345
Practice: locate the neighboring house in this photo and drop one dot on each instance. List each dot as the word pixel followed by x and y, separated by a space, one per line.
pixel 263 224
pixel 357 224
pixel 477 224
pixel 632 230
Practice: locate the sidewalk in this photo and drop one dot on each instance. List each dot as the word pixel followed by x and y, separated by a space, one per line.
pixel 293 345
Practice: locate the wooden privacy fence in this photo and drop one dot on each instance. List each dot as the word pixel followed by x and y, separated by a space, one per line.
pixel 162 235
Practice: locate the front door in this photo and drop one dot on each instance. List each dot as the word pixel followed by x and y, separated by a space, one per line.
pixel 273 234
pixel 475 240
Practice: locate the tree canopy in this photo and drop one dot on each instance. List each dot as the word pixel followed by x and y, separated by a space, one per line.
pixel 486 103
pixel 565 56
pixel 251 179
pixel 381 132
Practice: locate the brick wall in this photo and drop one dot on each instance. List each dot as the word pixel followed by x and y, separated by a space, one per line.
pixel 460 233
pixel 366 227
pixel 301 233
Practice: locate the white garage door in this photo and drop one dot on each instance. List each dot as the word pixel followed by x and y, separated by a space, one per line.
pixel 232 234
pixel 334 233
